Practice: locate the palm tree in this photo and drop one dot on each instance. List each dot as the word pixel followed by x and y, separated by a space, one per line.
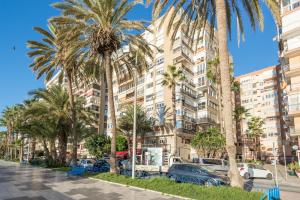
pixel 106 29
pixel 197 14
pixel 171 79
pixel 7 120
pixel 55 102
pixel 56 52
pixel 254 131
pixel 125 122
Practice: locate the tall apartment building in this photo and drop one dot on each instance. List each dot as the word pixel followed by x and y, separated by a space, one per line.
pixel 196 96
pixel 261 94
pixel 289 47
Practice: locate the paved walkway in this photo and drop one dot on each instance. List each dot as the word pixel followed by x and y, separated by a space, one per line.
pixel 32 183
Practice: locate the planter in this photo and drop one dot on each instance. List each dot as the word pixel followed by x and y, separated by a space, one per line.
pixel 298 173
pixel 292 173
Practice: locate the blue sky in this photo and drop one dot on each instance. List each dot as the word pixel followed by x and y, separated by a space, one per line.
pixel 18 17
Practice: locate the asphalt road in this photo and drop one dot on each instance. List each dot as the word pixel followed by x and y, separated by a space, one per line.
pixel 33 183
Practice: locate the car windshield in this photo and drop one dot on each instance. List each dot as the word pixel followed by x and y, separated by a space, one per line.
pixel 207 170
pixel 259 167
pixel 212 161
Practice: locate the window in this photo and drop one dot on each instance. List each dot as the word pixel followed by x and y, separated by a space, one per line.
pixel 201 81
pixel 160 61
pixel 201 68
pixel 149 85
pixel 212 161
pixel 201 105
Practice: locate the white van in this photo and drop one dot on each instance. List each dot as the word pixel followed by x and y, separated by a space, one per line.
pixel 219 165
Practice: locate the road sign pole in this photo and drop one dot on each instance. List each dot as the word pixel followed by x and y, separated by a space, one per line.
pixel 275 164
pixel 284 157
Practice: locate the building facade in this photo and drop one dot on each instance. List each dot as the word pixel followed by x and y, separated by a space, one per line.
pixel 260 93
pixel 196 96
pixel 289 53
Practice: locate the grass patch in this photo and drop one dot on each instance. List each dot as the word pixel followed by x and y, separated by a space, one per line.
pixel 61 169
pixel 193 191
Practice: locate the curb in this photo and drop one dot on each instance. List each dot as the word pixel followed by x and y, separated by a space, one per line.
pixel 138 188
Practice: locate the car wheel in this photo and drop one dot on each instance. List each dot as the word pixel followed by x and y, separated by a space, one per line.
pixel 208 183
pixel 172 178
pixel 246 176
pixel 269 176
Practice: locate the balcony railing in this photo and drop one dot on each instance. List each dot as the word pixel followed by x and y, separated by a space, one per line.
pixel 205 120
pixel 290 7
pixel 294 107
pixel 188 93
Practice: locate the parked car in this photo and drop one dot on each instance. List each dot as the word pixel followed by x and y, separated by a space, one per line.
pixel 191 173
pixel 102 165
pixel 87 163
pixel 249 170
pixel 219 165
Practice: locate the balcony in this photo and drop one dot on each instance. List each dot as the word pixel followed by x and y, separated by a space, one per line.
pixel 290 7
pixel 186 133
pixel 294 132
pixel 191 107
pixel 295 71
pixel 188 93
pixel 294 109
pixel 205 120
pixel 181 56
pixel 189 119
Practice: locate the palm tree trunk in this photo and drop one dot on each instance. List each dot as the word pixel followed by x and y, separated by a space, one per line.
pixel 174 152
pixel 32 149
pixel 46 150
pixel 21 153
pixel 226 88
pixel 53 149
pixel 73 119
pixel 220 109
pixel 102 104
pixel 109 76
pixel 62 148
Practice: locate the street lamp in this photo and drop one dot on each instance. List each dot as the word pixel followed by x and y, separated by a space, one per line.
pixel 134 120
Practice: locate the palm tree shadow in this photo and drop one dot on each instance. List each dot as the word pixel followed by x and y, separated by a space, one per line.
pixel 248 185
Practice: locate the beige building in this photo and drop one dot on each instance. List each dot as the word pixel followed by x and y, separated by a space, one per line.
pixel 261 94
pixel 196 96
pixel 289 45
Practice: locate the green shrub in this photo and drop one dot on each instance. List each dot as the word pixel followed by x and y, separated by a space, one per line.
pixel 193 191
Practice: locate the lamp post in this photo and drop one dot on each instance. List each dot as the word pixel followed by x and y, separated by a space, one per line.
pixel 134 120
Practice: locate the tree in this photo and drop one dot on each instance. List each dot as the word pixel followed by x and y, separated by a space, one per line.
pixel 125 122
pixel 122 144
pixel 106 28
pixel 196 15
pixel 171 79
pixel 254 131
pixel 209 142
pixel 52 53
pixel 98 145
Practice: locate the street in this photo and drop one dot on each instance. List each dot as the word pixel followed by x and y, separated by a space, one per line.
pixel 290 188
pixel 33 183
